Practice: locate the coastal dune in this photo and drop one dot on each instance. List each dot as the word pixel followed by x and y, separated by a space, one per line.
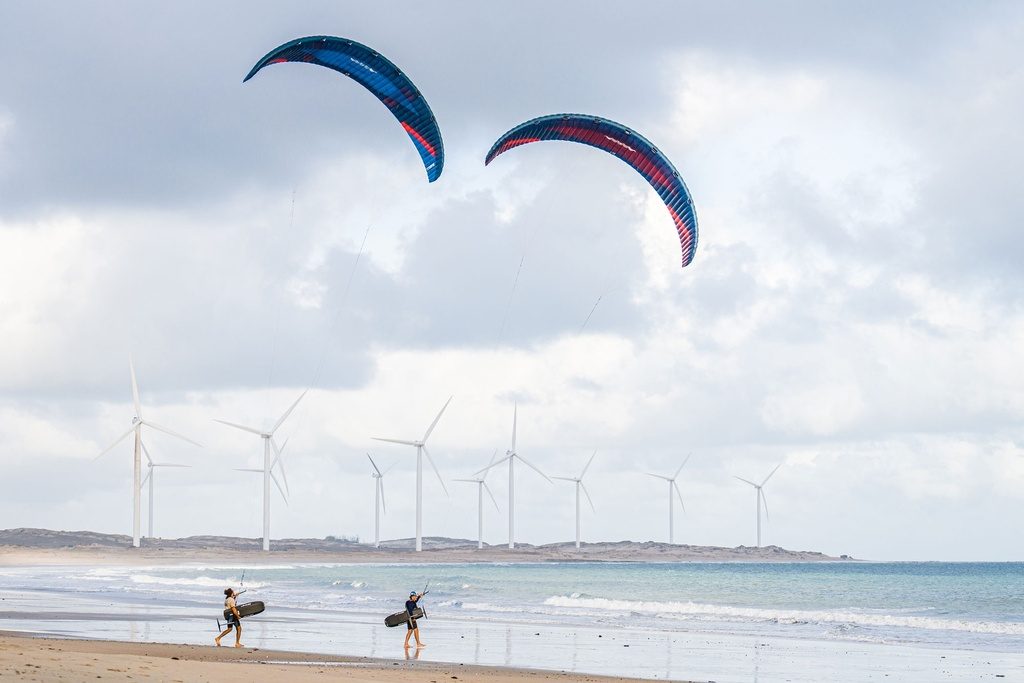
pixel 43 546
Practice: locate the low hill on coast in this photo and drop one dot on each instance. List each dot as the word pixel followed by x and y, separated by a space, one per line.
pixel 23 545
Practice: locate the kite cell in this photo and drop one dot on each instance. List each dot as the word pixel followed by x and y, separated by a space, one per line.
pixel 378 75
pixel 627 145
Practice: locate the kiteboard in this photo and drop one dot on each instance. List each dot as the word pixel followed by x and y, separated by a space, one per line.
pixel 246 609
pixel 399 618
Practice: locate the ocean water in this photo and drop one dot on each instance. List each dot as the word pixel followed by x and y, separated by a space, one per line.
pixel 953 607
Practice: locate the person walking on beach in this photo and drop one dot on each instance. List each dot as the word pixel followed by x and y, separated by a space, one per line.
pixel 235 619
pixel 414 629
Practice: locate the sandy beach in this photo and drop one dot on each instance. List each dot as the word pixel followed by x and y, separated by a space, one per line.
pixel 25 658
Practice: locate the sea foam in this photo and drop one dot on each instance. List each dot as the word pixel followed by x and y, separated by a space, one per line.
pixel 698 611
pixel 203 581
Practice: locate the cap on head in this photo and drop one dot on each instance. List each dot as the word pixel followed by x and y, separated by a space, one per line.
pixel 412 593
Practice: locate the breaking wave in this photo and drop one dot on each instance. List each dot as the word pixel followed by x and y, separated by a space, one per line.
pixel 699 611
pixel 203 581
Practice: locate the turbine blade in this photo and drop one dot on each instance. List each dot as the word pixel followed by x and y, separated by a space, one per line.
pixel 390 467
pixel 145 451
pixel 431 461
pixel 383 503
pixel 587 494
pixel 242 427
pixel 764 501
pixel 149 473
pixel 116 442
pixel 685 460
pixel 283 494
pixel 492 465
pixel 657 476
pixel 679 495
pixel 248 469
pixel 588 465
pixel 278 453
pixel 472 481
pixel 165 430
pixel 135 389
pixel 404 443
pixel 437 419
pixel 534 468
pixel 287 413
pixel 377 469
pixel 746 481
pixel 772 473
pixel 564 478
pixel 491 461
pixel 169 464
pixel 488 489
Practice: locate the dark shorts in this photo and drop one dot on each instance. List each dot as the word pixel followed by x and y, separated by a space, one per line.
pixel 232 620
pixel 411 624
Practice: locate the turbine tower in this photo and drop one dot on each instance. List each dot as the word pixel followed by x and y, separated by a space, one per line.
pixel 149 477
pixel 268 465
pixel 511 456
pixel 378 502
pixel 759 499
pixel 421 449
pixel 580 486
pixel 673 486
pixel 137 424
pixel 480 486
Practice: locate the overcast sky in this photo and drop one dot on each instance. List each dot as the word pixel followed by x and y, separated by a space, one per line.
pixel 854 309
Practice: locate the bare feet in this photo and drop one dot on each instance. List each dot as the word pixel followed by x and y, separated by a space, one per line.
pixel 418 645
pixel 217 640
pixel 239 645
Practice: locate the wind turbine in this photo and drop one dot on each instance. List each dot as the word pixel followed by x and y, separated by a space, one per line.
pixel 759 499
pixel 480 486
pixel 511 456
pixel 137 424
pixel 580 486
pixel 268 465
pixel 149 477
pixel 378 501
pixel 421 449
pixel 673 486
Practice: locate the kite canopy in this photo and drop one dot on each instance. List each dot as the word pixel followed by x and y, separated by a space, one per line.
pixel 378 75
pixel 627 145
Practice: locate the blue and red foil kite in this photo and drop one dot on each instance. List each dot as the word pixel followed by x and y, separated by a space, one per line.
pixel 378 75
pixel 628 145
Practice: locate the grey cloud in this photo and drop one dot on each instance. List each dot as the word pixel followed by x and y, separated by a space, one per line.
pixel 144 105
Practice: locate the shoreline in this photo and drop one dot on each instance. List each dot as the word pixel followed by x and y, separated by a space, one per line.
pixel 294 646
pixel 37 657
pixel 328 618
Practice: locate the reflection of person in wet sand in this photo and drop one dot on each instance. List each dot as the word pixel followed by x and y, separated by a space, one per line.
pixel 414 629
pixel 234 619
